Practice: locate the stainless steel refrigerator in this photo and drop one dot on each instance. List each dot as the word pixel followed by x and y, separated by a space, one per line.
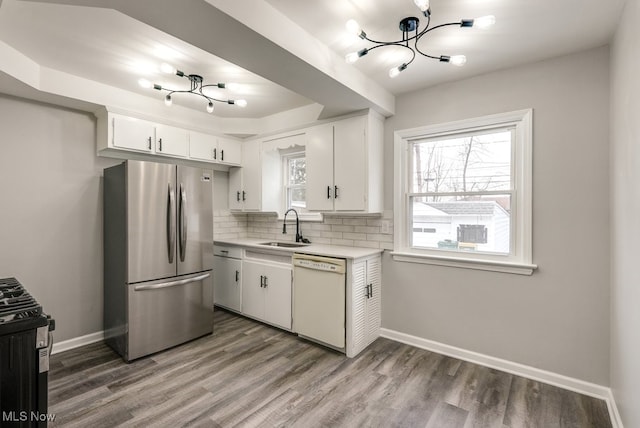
pixel 158 256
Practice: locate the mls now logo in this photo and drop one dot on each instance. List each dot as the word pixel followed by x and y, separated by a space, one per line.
pixel 24 416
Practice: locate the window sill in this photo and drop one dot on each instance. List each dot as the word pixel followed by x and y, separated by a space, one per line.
pixel 465 263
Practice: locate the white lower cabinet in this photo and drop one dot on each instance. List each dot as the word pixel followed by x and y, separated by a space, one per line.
pixel 266 292
pixel 365 317
pixel 227 282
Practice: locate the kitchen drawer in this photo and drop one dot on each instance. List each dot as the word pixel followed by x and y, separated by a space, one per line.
pixel 227 251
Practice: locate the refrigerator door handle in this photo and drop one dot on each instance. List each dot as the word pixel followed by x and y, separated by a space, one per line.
pixel 183 222
pixel 168 284
pixel 171 223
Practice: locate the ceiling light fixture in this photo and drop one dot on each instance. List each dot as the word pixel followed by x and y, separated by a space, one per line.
pixel 197 87
pixel 411 33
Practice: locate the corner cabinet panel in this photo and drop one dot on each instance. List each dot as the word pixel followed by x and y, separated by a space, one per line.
pixel 374 303
pixel 358 307
pixel 365 319
pixel 132 134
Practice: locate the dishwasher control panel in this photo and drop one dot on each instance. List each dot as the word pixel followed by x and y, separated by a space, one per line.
pixel 325 264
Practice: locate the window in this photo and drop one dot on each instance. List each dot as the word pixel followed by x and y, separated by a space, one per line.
pixel 463 193
pixel 295 181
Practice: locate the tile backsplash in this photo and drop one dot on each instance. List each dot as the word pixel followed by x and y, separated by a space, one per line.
pixel 353 231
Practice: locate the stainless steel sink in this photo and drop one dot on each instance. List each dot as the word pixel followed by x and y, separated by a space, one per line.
pixel 284 244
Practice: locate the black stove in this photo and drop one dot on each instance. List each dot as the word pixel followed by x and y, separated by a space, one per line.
pixel 25 347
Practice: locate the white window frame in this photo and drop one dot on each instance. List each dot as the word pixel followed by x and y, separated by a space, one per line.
pixel 519 261
pixel 303 216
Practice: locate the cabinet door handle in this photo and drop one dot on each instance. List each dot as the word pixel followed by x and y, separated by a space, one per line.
pixel 261 281
pixel 149 141
pixel 266 281
pixel 244 195
pixel 222 155
pixel 238 196
pixel 328 192
pixel 215 153
pixel 237 275
pixel 160 142
pixel 335 192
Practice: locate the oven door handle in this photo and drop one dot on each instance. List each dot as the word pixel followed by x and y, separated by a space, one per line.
pixel 168 284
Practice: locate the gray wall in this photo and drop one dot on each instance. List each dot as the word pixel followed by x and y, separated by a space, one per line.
pixel 558 318
pixel 51 211
pixel 625 215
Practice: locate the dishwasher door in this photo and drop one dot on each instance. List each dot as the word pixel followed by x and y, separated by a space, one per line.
pixel 319 299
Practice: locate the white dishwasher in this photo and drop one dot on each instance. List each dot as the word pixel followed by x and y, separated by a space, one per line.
pixel 319 299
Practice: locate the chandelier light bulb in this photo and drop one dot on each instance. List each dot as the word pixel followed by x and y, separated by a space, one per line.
pixel 145 83
pixel 241 103
pixel 423 5
pixel 167 68
pixel 168 101
pixel 352 57
pixel 210 107
pixel 353 27
pixel 484 21
pixel 458 60
pixel 397 70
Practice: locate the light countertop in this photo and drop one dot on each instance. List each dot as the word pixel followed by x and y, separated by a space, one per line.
pixel 314 249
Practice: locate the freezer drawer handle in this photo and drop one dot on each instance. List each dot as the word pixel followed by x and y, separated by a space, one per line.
pixel 183 222
pixel 171 283
pixel 171 223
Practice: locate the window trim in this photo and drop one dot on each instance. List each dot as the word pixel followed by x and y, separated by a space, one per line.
pixel 284 162
pixel 520 261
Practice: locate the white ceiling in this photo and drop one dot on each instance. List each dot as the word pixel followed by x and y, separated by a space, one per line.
pixel 108 46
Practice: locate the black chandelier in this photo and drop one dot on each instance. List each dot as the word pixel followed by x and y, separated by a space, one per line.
pixel 196 88
pixel 411 33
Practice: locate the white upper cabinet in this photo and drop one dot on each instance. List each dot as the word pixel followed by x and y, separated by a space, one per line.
pixel 229 152
pixel 120 136
pixel 344 165
pixel 131 134
pixel 245 184
pixel 214 149
pixel 172 141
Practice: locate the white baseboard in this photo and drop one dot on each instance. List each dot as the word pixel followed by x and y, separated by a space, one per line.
pixel 555 379
pixel 76 342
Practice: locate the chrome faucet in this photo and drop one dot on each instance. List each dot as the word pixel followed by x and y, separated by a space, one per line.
pixel 299 237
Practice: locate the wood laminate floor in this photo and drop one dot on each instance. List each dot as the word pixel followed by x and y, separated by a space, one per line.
pixel 251 375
